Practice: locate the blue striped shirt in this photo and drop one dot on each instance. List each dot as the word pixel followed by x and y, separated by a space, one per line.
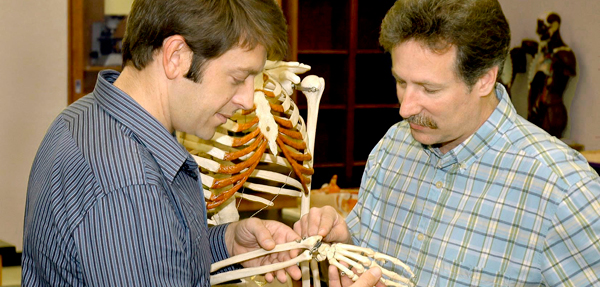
pixel 510 206
pixel 114 200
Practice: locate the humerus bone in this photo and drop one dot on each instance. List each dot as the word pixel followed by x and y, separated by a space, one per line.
pixel 358 258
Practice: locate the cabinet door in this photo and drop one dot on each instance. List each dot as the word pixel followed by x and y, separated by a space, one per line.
pixel 82 71
pixel 339 40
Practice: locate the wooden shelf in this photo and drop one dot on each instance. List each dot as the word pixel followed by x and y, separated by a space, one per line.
pixel 360 163
pixel 369 51
pixel 331 164
pixel 339 40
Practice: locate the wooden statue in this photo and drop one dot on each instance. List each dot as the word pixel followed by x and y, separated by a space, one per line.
pixel 552 68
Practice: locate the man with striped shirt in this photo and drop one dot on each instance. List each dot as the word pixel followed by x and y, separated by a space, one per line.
pixel 113 199
pixel 464 190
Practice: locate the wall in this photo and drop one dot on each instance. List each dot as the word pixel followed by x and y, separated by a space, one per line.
pixel 579 30
pixel 33 81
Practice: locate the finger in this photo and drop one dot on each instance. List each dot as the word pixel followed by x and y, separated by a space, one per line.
pixel 345 279
pixel 281 276
pixel 283 234
pixel 334 277
pixel 314 221
pixel 328 219
pixel 298 227
pixel 262 234
pixel 269 277
pixel 280 232
pixel 369 278
pixel 294 272
pixel 301 226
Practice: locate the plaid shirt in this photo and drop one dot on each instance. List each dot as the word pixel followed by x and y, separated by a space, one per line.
pixel 510 206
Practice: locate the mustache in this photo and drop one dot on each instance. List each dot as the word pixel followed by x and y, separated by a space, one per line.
pixel 422 121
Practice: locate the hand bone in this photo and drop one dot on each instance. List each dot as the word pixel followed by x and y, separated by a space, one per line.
pixel 359 258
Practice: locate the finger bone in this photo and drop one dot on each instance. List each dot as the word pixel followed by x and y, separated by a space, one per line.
pixel 344 269
pixel 359 267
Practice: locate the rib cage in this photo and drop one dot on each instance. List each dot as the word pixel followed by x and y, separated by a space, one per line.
pixel 263 150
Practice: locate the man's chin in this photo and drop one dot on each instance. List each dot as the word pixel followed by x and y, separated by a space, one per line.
pixel 423 137
pixel 205 134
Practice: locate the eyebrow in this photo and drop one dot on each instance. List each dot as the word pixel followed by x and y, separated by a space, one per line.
pixel 248 71
pixel 420 83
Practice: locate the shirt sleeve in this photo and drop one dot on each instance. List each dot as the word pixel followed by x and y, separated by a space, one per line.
pixel 572 246
pixel 360 215
pixel 218 248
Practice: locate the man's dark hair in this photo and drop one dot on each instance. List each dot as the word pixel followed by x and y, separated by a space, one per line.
pixel 477 28
pixel 209 27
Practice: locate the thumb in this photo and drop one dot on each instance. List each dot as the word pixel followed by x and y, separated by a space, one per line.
pixel 263 235
pixel 369 278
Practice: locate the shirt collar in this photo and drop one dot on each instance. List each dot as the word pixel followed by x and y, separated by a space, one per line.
pixel 169 154
pixel 494 128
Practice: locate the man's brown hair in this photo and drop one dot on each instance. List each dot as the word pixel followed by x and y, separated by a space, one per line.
pixel 209 27
pixel 477 28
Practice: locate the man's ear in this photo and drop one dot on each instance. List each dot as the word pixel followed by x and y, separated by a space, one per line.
pixel 486 84
pixel 176 56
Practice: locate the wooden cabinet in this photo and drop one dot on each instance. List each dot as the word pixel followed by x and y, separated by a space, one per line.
pixel 339 40
pixel 82 69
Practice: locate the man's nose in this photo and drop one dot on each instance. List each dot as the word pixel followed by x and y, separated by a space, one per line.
pixel 245 96
pixel 408 102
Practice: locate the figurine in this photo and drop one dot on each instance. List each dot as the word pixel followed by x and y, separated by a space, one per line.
pixel 552 68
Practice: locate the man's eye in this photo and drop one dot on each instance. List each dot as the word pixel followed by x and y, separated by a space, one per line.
pixel 238 81
pixel 430 91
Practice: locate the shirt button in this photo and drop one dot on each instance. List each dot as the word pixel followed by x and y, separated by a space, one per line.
pixel 420 237
pixel 439 184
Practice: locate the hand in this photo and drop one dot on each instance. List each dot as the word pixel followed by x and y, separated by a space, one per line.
pixel 251 234
pixel 368 279
pixel 326 222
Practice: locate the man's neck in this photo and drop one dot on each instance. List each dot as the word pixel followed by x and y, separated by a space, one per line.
pixel 147 89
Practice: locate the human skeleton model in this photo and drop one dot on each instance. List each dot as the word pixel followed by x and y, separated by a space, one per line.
pixel 552 68
pixel 236 158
